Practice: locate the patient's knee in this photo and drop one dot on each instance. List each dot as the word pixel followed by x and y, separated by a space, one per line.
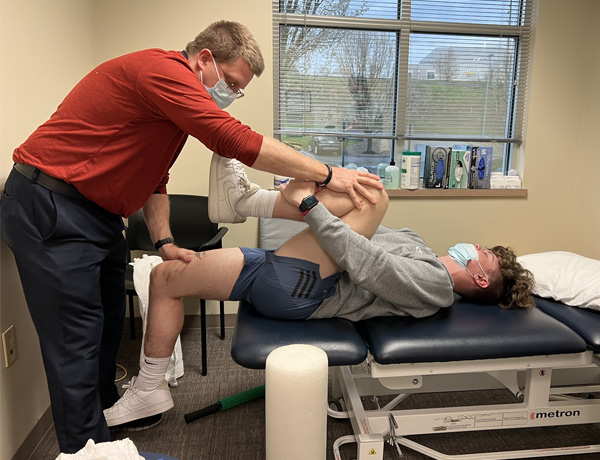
pixel 382 199
pixel 160 274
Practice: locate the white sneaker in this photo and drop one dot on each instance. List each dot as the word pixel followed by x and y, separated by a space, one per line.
pixel 137 403
pixel 228 183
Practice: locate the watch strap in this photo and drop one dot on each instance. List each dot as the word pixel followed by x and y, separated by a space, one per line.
pixel 328 179
pixel 307 204
pixel 160 243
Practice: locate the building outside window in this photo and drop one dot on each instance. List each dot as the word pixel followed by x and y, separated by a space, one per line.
pixel 358 81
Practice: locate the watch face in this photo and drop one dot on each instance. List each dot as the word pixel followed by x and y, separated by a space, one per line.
pixel 308 203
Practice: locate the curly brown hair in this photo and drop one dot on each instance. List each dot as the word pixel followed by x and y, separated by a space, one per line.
pixel 513 288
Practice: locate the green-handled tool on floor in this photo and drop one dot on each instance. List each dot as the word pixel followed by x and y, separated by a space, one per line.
pixel 227 403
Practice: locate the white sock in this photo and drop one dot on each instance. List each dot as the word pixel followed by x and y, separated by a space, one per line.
pixel 152 372
pixel 260 203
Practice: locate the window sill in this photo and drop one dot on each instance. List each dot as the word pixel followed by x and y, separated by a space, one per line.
pixel 457 193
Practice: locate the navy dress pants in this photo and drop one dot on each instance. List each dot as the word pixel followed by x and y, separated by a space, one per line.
pixel 70 254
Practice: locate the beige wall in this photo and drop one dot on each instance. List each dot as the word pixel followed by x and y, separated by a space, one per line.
pixel 47 46
pixel 585 222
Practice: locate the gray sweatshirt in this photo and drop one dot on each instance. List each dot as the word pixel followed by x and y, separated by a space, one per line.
pixel 393 274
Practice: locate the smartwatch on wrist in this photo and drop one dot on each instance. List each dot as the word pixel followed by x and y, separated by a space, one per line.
pixel 160 243
pixel 308 203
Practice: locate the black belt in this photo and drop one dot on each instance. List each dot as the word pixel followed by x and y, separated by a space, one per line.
pixel 56 185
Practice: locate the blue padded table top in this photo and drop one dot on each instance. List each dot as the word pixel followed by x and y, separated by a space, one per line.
pixel 256 336
pixel 468 331
pixel 583 321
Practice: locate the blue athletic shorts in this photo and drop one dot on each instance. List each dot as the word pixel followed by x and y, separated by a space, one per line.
pixel 281 287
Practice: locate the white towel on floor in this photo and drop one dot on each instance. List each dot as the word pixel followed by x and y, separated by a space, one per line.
pixel 115 450
pixel 141 280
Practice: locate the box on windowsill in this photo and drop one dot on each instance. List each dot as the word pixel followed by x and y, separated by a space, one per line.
pixel 497 181
pixel 512 182
pixel 459 168
pixel 481 166
pixel 500 181
pixel 435 174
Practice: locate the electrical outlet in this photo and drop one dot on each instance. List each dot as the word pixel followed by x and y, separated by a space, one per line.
pixel 9 344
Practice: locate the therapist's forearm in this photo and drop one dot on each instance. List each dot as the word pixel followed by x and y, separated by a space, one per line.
pixel 156 213
pixel 278 158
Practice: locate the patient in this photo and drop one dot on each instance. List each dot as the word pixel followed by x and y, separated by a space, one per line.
pixel 344 265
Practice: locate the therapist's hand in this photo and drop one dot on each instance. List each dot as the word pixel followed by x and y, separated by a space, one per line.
pixel 353 183
pixel 173 252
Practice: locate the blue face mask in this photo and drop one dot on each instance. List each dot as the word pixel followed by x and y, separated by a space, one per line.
pixel 221 93
pixel 461 253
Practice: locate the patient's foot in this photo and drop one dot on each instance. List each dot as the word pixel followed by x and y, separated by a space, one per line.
pixel 228 183
pixel 137 403
pixel 232 197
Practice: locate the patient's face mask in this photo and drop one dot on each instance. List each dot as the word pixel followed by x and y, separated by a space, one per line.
pixel 461 253
pixel 221 93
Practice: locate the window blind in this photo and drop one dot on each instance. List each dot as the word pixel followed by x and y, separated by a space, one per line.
pixel 375 76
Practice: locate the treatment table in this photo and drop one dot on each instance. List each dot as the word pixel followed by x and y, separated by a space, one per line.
pixel 545 356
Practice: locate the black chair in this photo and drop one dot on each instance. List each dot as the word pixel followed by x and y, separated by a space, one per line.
pixel 191 229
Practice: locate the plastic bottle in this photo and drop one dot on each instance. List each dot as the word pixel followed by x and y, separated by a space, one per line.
pixel 411 168
pixel 392 176
pixel 381 170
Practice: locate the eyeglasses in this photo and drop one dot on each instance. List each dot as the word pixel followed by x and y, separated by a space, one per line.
pixel 238 94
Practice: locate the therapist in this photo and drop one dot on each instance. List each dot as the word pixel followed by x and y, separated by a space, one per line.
pixel 105 153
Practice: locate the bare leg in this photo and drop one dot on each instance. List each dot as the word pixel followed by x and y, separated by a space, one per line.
pixel 210 276
pixel 245 199
pixel 213 274
pixel 365 221
pixel 338 204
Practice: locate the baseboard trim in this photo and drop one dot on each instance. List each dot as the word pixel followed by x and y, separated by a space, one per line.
pixel 45 423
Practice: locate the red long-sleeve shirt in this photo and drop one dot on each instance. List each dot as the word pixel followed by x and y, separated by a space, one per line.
pixel 118 132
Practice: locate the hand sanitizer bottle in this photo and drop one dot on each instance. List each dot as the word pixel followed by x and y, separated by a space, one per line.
pixel 392 176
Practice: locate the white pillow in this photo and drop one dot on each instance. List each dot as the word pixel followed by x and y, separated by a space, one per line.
pixel 567 277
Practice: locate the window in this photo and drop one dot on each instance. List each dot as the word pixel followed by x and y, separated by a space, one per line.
pixel 358 81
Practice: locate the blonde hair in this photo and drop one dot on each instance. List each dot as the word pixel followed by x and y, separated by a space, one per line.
pixel 227 41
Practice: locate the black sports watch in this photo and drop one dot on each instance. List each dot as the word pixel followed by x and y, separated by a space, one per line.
pixel 308 203
pixel 160 243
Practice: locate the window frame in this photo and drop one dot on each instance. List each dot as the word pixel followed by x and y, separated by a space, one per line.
pixel 404 27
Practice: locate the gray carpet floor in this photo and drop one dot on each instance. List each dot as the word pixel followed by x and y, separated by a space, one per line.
pixel 239 433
